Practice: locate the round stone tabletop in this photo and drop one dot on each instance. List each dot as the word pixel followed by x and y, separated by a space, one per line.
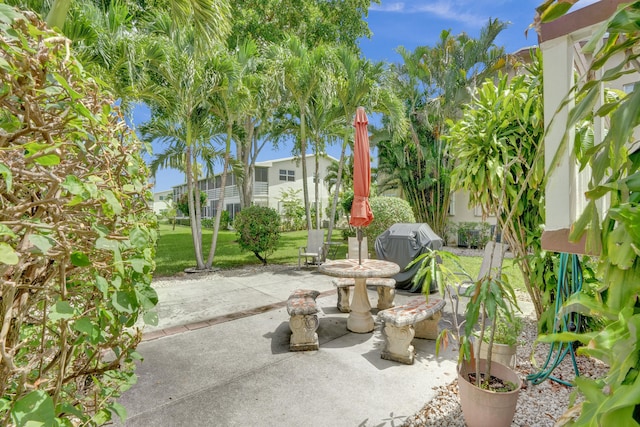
pixel 351 268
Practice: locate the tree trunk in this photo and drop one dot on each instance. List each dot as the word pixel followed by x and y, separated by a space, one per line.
pixel 317 187
pixel 195 230
pixel 248 165
pixel 223 184
pixel 303 149
pixel 334 204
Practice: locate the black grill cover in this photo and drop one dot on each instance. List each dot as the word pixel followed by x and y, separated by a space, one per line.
pixel 402 243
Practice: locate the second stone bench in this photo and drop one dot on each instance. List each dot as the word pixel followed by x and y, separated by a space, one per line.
pixel 417 318
pixel 303 323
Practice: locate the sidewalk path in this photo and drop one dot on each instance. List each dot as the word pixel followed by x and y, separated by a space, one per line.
pixel 220 357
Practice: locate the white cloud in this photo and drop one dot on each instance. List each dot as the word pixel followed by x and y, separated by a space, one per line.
pixel 440 9
pixel 448 10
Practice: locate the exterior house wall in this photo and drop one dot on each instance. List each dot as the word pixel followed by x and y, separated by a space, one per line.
pixel 460 213
pixel 160 201
pixel 266 193
pixel 561 41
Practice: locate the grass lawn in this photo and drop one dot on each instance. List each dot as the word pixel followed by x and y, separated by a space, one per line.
pixel 175 252
pixel 471 265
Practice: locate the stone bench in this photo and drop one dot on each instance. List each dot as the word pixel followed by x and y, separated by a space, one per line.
pixel 303 323
pixel 385 287
pixel 417 318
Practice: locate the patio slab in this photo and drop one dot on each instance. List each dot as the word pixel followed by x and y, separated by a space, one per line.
pixel 240 372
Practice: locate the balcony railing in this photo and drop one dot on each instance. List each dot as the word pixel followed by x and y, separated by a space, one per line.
pixel 259 189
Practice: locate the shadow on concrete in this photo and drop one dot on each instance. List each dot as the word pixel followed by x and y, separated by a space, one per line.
pixel 279 338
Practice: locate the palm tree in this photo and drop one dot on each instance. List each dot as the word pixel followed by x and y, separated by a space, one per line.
pixel 301 75
pixel 228 101
pixel 326 125
pixel 209 19
pixel 178 89
pixel 434 82
pixel 360 82
pixel 331 177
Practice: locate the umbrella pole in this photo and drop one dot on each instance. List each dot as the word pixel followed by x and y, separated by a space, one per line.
pixel 359 235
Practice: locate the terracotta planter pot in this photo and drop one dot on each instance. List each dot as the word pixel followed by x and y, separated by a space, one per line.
pixel 482 408
pixel 502 353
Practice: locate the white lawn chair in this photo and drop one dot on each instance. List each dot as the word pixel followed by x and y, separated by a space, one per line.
pixel 313 253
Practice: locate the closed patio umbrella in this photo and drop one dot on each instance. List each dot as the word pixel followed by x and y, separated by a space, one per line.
pixel 361 214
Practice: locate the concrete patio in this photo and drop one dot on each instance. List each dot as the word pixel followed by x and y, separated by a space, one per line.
pixel 220 356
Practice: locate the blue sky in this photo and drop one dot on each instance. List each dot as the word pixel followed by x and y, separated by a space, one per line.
pixel 413 23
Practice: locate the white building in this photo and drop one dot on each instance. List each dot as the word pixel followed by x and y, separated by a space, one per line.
pixel 271 178
pixel 161 201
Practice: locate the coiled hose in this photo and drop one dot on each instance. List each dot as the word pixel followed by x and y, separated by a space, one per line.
pixel 568 284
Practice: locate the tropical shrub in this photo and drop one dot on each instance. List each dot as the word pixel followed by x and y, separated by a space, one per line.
pixel 258 230
pixel 183 202
pixel 292 210
pixel 225 220
pixel 472 234
pixel 77 236
pixel 499 150
pixel 386 212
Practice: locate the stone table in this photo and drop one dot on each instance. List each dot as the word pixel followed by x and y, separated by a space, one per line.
pixel 360 319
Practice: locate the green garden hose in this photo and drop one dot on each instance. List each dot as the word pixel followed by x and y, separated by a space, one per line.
pixel 567 286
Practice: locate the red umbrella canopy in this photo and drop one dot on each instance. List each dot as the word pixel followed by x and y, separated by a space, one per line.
pixel 361 214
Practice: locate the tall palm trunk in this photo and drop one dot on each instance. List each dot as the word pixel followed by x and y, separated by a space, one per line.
pixel 316 181
pixel 195 229
pixel 303 149
pixel 244 154
pixel 223 184
pixel 334 203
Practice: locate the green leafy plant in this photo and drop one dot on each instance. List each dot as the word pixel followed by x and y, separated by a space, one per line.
pixel 441 268
pixel 507 330
pixel 183 203
pixel 499 151
pixel 225 221
pixel 472 234
pixel 490 298
pixel 292 210
pixel 386 212
pixel 614 231
pixel 77 236
pixel 498 147
pixel 258 230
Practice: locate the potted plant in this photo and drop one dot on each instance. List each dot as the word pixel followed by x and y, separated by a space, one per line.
pixel 488 389
pixel 505 341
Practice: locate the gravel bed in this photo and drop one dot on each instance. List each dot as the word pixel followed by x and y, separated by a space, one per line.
pixel 538 405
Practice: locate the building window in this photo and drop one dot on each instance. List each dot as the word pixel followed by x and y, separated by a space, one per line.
pixel 161 198
pixel 233 209
pixel 262 175
pixel 287 175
